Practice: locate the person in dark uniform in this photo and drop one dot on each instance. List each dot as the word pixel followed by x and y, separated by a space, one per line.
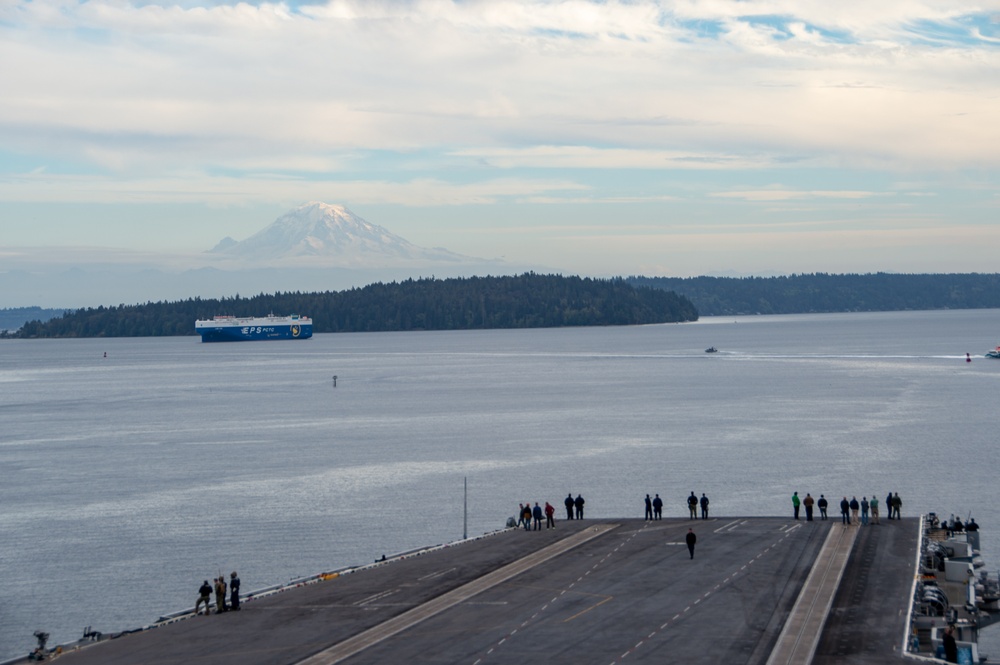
pixel 704 507
pixel 950 646
pixel 579 506
pixel 569 506
pixel 822 503
pixel 691 540
pixel 649 508
pixel 526 514
pixel 657 507
pixel 234 592
pixel 897 503
pixel 845 511
pixel 808 503
pixel 888 504
pixel 693 506
pixel 972 526
pixel 204 596
pixel 537 514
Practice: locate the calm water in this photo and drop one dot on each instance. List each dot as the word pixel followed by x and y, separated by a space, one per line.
pixel 128 479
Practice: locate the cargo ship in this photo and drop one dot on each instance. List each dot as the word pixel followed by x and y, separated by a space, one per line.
pixel 250 328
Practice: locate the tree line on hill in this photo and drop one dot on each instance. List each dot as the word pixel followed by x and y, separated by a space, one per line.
pixel 12 318
pixel 523 301
pixel 822 292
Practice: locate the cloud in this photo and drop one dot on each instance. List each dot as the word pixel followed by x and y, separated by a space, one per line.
pixel 794 195
pixel 223 190
pixel 121 87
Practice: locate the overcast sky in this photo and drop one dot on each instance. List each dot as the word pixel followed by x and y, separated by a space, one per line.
pixel 659 138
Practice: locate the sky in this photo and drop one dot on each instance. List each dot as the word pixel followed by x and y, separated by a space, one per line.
pixel 598 138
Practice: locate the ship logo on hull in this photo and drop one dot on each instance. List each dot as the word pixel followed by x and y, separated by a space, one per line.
pixel 295 331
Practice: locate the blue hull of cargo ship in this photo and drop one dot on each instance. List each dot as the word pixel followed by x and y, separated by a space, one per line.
pixel 255 333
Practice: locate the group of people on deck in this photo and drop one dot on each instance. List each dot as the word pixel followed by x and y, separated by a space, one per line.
pixel 205 595
pixel 528 516
pixel 868 508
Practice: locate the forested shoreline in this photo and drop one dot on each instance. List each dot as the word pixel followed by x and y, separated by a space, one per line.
pixel 523 301
pixel 531 301
pixel 822 292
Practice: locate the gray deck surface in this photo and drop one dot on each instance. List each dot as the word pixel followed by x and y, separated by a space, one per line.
pixel 626 593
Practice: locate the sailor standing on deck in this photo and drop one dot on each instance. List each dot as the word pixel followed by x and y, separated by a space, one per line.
pixel 854 509
pixel 795 504
pixel 950 645
pixel 873 504
pixel 657 507
pixel 569 506
pixel 845 515
pixel 693 506
pixel 822 503
pixel 649 508
pixel 579 506
pixel 704 507
pixel 888 504
pixel 808 503
pixel 234 592
pixel 220 595
pixel 537 514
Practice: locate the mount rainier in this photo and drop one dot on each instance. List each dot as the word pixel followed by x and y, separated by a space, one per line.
pixel 320 234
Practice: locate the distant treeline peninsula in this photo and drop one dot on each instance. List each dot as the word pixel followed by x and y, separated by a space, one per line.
pixel 523 301
pixel 821 292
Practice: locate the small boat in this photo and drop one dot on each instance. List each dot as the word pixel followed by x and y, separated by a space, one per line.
pixel 711 349
pixel 995 353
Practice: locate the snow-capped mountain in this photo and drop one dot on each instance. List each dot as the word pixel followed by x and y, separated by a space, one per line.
pixel 323 234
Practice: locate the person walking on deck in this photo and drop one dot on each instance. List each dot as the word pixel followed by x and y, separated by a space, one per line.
pixel 657 508
pixel 569 506
pixel 204 596
pixel 873 504
pixel 649 508
pixel 808 503
pixel 693 506
pixel 845 515
pixel 704 507
pixel 691 539
pixel 795 504
pixel 822 503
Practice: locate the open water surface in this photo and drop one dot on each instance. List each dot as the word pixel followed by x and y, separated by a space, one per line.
pixel 130 478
